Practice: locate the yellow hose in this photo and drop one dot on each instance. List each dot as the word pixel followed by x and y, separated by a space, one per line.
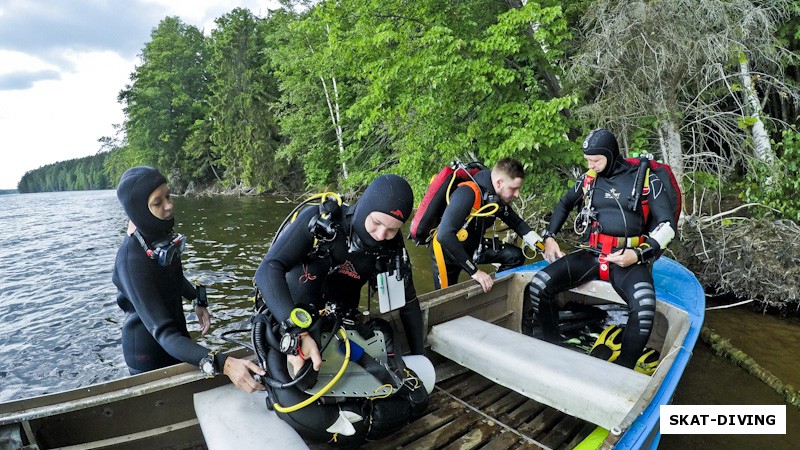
pixel 322 196
pixel 327 387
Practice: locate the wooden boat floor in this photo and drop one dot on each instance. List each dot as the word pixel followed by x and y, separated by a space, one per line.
pixel 471 412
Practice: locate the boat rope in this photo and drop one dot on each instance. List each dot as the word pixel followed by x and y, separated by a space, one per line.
pixel 744 302
pixel 494 419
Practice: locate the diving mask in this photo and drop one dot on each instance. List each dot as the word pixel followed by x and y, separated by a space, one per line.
pixel 163 251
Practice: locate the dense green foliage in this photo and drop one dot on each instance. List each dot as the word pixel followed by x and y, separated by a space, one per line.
pixel 74 175
pixel 326 96
pixel 783 190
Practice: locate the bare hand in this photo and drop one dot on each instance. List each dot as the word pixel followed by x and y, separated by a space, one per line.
pixel 308 349
pixel 241 371
pixel 623 258
pixel 552 251
pixel 484 279
pixel 204 318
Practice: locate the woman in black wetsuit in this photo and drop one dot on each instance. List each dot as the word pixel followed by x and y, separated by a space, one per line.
pixel 151 287
pixel 620 245
pixel 294 272
pixel 320 261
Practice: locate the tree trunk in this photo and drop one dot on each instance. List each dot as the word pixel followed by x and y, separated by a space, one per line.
pixel 669 138
pixel 761 145
pixel 333 109
pixel 723 347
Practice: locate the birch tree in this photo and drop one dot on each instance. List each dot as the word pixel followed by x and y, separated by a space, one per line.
pixel 638 69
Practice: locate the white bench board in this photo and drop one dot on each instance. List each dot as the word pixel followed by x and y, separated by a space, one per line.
pixel 233 420
pixel 580 385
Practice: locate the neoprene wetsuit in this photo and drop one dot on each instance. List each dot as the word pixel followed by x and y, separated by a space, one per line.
pixel 613 218
pixel 460 255
pixel 154 334
pixel 292 274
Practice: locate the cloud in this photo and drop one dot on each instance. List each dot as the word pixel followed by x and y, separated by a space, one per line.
pixel 46 29
pixel 25 79
pixel 63 62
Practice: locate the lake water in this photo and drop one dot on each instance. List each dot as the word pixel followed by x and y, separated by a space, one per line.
pixel 59 321
pixel 60 324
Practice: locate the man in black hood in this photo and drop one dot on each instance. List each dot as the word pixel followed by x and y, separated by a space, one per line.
pixel 620 243
pixel 151 287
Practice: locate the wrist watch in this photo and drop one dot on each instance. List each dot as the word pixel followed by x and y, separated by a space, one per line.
pixel 202 297
pixel 208 365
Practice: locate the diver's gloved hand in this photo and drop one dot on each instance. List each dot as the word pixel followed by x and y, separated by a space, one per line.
pixel 533 240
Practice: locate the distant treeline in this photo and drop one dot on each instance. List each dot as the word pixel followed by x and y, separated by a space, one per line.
pixel 74 175
pixel 325 94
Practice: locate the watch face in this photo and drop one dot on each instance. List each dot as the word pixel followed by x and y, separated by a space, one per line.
pixel 207 367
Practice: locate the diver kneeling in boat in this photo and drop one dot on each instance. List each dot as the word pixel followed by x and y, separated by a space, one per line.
pixel 459 243
pixel 620 244
pixel 151 287
pixel 310 282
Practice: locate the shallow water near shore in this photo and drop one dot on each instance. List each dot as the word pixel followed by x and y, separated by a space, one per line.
pixel 60 325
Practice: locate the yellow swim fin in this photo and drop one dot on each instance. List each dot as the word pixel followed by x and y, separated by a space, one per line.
pixel 608 344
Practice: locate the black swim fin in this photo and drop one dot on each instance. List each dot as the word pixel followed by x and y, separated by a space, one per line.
pixel 608 344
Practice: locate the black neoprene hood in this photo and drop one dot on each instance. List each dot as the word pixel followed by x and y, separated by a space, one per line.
pixel 133 191
pixel 388 194
pixel 602 142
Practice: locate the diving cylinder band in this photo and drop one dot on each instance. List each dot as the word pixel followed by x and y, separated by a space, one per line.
pixel 663 234
pixel 533 240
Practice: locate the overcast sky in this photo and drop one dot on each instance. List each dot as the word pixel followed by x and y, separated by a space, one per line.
pixel 62 64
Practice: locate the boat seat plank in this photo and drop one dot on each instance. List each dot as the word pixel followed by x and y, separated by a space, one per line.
pixel 575 383
pixel 600 290
pixel 233 420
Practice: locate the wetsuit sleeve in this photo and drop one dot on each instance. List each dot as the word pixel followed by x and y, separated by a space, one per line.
pixel 289 250
pixel 455 214
pixel 513 220
pixel 188 290
pixel 567 202
pixel 140 284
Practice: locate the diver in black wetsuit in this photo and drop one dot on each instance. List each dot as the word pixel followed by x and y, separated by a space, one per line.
pixel 500 185
pixel 320 262
pixel 150 282
pixel 619 245
pixel 368 237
